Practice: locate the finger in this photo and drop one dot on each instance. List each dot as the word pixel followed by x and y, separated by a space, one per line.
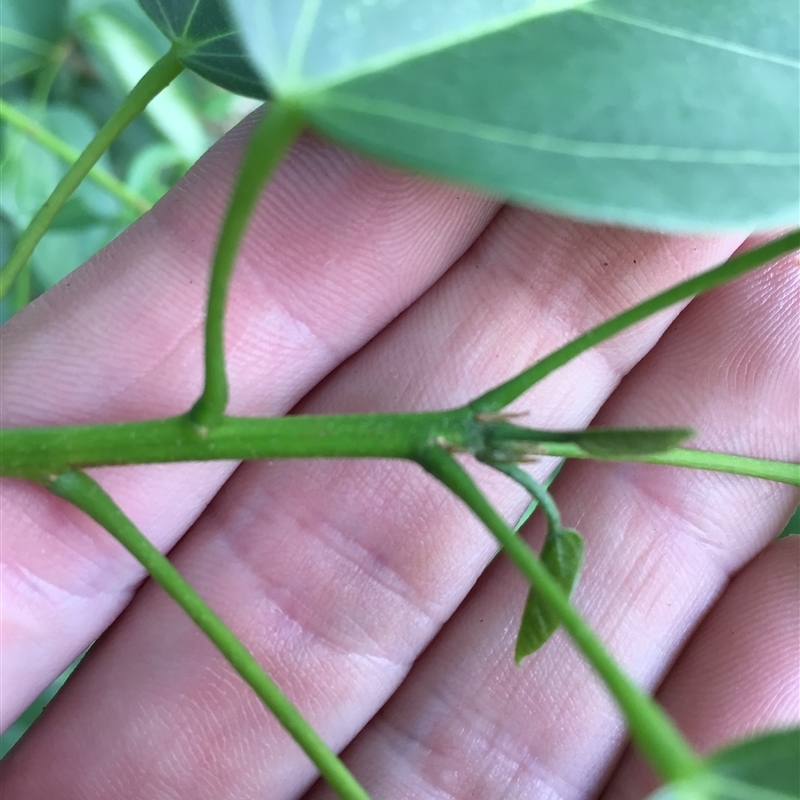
pixel 337 248
pixel 722 687
pixel 338 575
pixel 660 544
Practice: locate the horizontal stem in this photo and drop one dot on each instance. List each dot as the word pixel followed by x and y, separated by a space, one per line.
pixel 84 493
pixel 651 729
pixel 70 155
pixel 38 452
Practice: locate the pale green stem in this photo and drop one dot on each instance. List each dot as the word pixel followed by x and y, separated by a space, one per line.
pixel 33 452
pixel 21 291
pixel 502 395
pixel 70 155
pixel 651 729
pixel 160 75
pixel 273 136
pixel 83 492
pixel 781 471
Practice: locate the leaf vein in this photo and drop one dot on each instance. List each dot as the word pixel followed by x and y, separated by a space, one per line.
pixel 696 38
pixel 547 143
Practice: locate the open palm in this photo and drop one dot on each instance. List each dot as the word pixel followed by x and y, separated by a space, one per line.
pixel 363 587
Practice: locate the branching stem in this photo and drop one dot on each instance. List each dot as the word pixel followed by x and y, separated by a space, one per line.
pixel 37 452
pixel 650 727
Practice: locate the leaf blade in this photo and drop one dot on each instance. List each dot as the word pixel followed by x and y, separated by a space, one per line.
pixel 763 767
pixel 562 555
pixel 679 116
pixel 208 43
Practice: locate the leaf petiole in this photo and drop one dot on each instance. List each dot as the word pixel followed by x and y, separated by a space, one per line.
pixel 276 131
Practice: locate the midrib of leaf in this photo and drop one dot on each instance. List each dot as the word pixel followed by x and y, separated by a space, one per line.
pixel 294 87
pixel 550 144
pixel 696 38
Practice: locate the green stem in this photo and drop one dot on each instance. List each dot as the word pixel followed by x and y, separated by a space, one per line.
pixel 781 471
pixel 70 155
pixel 651 729
pixel 538 492
pixel 505 393
pixel 275 133
pixel 33 44
pixel 160 75
pixel 36 452
pixel 83 492
pixel 21 291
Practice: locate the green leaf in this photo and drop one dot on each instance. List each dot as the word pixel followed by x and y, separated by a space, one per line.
pixel 505 442
pixel 767 762
pixel 28 32
pixel 207 41
pixel 679 115
pixel 766 767
pixel 562 554
pixel 76 213
pixel 629 441
pixel 154 170
pixel 31 172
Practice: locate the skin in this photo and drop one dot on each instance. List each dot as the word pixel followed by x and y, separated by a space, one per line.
pixel 365 589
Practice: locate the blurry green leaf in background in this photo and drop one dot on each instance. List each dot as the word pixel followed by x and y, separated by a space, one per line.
pixel 67 65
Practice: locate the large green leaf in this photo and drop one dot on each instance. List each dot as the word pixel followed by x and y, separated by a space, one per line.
pixel 766 767
pixel 680 115
pixel 208 43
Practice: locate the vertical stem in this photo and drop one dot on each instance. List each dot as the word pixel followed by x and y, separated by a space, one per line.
pixel 275 133
pixel 21 289
pixel 651 729
pixel 84 493
pixel 160 75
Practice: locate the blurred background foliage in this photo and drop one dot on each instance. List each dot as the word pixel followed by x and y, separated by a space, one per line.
pixel 65 66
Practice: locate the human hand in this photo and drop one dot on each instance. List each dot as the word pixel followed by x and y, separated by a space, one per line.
pixel 361 289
